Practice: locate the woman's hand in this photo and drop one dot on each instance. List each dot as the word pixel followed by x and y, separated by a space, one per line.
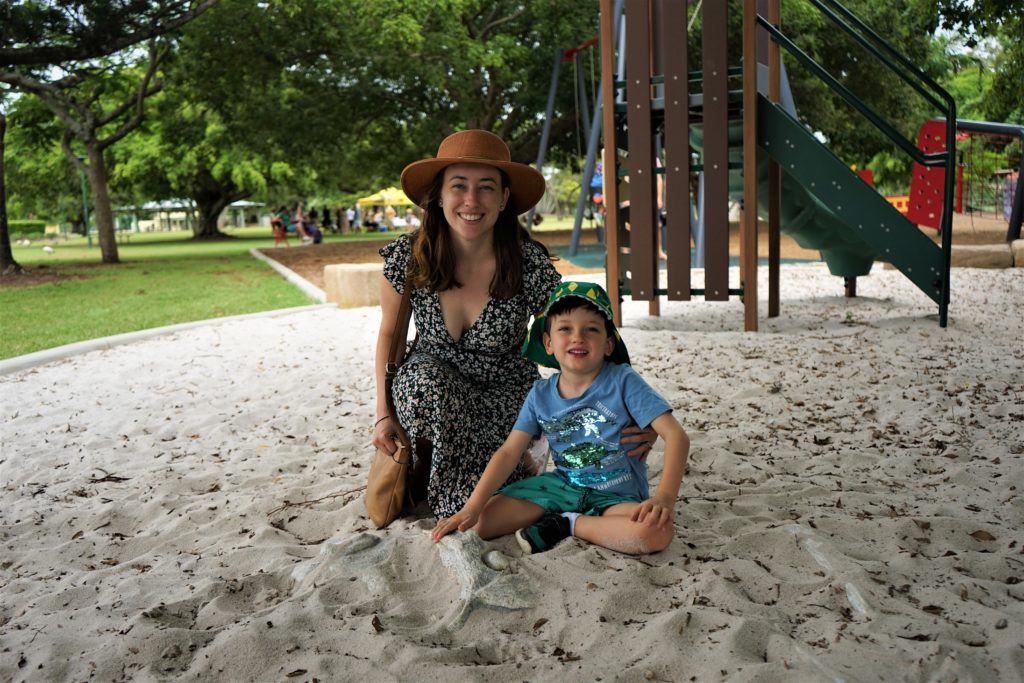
pixel 654 512
pixel 644 438
pixel 461 520
pixel 384 436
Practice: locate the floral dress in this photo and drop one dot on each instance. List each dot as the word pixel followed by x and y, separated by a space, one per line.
pixel 464 396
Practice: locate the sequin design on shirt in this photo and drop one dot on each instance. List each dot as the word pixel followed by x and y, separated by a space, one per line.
pixel 588 462
pixel 582 455
pixel 562 428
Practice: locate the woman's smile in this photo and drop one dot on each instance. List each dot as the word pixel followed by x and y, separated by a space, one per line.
pixel 472 197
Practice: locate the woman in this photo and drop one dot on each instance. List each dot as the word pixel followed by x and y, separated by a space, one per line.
pixel 477 278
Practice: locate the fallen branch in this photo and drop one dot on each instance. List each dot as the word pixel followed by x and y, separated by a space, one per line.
pixel 107 476
pixel 308 503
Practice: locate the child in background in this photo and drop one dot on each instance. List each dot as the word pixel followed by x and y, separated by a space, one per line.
pixel 279 226
pixel 597 492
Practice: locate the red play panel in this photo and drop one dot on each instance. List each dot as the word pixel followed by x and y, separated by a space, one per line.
pixel 926 186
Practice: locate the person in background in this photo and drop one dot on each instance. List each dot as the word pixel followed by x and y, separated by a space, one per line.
pixel 278 224
pixel 412 221
pixel 344 224
pixel 299 220
pixel 389 217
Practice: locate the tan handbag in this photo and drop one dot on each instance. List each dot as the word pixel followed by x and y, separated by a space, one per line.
pixel 388 482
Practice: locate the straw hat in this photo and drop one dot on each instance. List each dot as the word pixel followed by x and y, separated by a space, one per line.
pixel 526 184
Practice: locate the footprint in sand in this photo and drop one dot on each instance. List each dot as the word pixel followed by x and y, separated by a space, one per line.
pixel 196 621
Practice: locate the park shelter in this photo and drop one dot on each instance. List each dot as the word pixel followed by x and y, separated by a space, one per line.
pixel 241 213
pixel 390 195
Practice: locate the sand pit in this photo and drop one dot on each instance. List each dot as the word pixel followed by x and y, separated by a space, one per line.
pixel 852 512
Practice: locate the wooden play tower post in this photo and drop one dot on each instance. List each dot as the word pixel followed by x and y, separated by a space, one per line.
pixel 655 41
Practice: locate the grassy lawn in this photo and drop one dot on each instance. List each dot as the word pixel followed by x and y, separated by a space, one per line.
pixel 163 279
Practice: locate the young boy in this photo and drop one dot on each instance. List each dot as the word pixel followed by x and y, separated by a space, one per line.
pixel 597 492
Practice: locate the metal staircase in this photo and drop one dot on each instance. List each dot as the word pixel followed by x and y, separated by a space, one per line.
pixel 873 228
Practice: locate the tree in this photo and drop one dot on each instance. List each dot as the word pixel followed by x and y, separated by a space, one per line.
pixel 7 263
pixel 979 18
pixel 249 108
pixel 78 100
pixel 235 118
pixel 38 178
pixel 468 64
pixel 59 32
pixel 73 41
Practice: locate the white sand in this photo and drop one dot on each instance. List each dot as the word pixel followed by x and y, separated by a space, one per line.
pixel 852 509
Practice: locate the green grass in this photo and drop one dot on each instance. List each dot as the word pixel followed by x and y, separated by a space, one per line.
pixel 163 279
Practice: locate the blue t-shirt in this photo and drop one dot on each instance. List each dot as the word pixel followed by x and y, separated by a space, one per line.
pixel 583 433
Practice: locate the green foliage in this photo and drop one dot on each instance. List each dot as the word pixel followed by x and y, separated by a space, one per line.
pixel 564 186
pixel 891 172
pixel 979 18
pixel 61 31
pixel 20 228
pixel 40 180
pixel 284 99
pixel 1005 99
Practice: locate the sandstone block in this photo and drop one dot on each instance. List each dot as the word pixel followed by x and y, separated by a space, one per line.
pixel 350 285
pixel 1017 246
pixel 982 256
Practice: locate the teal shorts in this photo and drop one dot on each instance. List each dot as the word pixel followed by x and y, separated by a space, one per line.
pixel 554 494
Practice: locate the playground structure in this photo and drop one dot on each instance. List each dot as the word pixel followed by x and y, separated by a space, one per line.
pixel 924 201
pixel 750 147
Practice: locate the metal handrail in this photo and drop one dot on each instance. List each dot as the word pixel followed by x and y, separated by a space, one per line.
pixel 898 56
pixel 851 99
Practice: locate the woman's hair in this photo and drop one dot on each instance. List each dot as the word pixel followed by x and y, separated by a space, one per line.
pixel 433 256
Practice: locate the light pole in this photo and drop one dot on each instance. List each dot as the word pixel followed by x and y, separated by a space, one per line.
pixel 85 204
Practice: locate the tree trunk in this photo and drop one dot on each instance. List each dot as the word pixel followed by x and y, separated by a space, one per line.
pixel 210 207
pixel 212 196
pixel 103 214
pixel 8 266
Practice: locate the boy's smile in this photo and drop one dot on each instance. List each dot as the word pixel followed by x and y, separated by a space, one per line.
pixel 579 341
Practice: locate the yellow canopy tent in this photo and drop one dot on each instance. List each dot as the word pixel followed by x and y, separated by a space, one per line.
pixel 391 195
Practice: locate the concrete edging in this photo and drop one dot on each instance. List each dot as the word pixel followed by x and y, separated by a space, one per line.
pixel 311 290
pixel 30 360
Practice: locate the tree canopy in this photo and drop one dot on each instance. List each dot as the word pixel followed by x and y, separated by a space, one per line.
pixel 79 58
pixel 50 33
pixel 279 99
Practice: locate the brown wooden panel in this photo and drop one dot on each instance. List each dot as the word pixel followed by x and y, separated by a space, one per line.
pixel 610 190
pixel 748 228
pixel 643 220
pixel 677 148
pixel 716 151
pixel 774 172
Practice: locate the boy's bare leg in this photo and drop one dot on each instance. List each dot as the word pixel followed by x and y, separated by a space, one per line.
pixel 616 531
pixel 503 515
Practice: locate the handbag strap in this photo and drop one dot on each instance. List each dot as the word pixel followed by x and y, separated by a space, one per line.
pixel 396 354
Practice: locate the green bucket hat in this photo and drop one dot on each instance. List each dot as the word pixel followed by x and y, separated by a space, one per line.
pixel 533 347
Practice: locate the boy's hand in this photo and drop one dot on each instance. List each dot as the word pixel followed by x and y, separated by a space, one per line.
pixel 461 520
pixel 655 512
